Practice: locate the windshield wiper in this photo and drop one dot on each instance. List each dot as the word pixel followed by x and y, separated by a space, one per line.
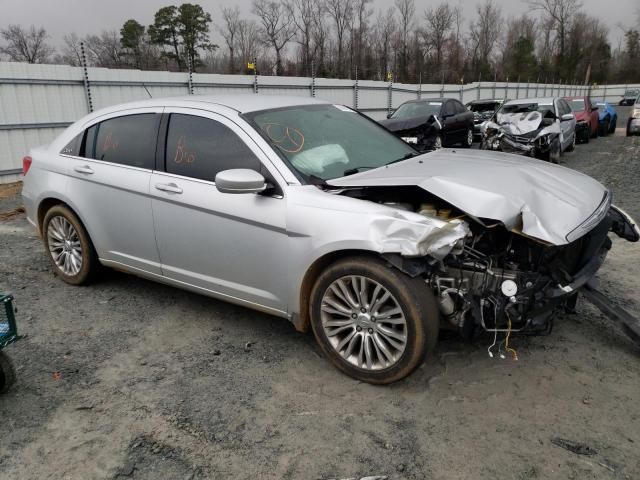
pixel 352 171
pixel 406 157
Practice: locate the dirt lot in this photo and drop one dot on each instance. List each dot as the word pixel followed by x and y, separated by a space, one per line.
pixel 131 379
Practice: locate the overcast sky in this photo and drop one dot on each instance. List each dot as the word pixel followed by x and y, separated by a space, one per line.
pixel 91 16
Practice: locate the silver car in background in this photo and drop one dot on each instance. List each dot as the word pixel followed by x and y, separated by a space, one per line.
pixel 315 213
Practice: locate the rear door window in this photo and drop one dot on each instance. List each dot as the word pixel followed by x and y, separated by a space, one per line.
pixel 127 140
pixel 448 109
pixel 199 147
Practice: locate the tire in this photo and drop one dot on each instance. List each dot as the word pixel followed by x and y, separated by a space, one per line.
pixel 604 129
pixel 572 147
pixel 593 133
pixel 468 142
pixel 438 143
pixel 411 296
pixel 7 373
pixel 612 128
pixel 73 244
pixel 554 153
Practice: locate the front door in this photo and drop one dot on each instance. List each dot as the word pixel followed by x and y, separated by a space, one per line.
pixel 229 244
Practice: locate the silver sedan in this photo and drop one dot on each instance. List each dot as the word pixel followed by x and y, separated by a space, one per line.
pixel 311 211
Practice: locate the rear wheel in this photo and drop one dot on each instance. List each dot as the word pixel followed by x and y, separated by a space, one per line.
pixel 593 131
pixel 437 143
pixel 7 373
pixel 373 322
pixel 604 128
pixel 69 247
pixel 614 124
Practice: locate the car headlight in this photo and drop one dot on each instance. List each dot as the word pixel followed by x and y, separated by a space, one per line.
pixel 635 113
pixel 594 219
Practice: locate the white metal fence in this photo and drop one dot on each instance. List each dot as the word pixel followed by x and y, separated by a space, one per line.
pixel 38 101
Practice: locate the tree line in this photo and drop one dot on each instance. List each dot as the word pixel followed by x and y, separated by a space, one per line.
pixel 553 40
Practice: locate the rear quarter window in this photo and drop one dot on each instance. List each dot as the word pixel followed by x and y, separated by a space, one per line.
pixel 74 146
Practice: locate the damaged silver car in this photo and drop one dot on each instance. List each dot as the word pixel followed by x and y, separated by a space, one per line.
pixel 543 128
pixel 315 213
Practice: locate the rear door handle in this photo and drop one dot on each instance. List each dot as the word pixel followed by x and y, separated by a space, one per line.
pixel 84 169
pixel 168 187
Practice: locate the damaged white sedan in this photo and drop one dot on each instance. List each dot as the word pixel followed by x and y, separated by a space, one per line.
pixel 543 128
pixel 313 212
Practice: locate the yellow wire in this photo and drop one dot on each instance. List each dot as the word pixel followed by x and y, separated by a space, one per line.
pixel 514 354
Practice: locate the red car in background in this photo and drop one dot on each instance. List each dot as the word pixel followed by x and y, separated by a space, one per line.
pixel 587 120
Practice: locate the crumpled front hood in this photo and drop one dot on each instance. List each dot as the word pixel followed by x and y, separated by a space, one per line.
pixel 519 123
pixel 543 200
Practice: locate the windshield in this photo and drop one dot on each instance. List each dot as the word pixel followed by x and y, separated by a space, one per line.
pixel 577 105
pixel 417 109
pixel 543 108
pixel 328 141
pixel 631 93
pixel 484 107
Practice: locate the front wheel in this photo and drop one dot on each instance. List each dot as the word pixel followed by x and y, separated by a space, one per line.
pixel 604 129
pixel 373 322
pixel 437 143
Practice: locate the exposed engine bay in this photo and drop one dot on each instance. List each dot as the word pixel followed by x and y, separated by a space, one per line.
pixel 499 280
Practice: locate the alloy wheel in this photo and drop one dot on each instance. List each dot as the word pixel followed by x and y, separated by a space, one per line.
pixel 64 245
pixel 364 323
pixel 470 138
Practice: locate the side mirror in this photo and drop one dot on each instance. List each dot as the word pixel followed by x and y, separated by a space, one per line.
pixel 240 180
pixel 389 115
pixel 567 117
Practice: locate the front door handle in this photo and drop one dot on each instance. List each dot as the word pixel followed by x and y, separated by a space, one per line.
pixel 84 169
pixel 168 187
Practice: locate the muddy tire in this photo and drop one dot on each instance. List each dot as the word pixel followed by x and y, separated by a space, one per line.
pixel 7 373
pixel 373 322
pixel 68 246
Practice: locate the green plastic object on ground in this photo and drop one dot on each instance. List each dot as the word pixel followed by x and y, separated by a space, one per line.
pixel 8 335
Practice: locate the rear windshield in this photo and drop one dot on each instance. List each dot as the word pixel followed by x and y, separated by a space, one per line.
pixel 577 105
pixel 484 107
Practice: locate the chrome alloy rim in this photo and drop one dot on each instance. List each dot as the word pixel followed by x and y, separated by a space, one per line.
pixel 438 142
pixel 64 245
pixel 470 137
pixel 364 323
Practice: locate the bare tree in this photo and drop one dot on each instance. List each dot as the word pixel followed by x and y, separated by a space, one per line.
pixel 560 13
pixel 26 45
pixel 104 50
pixel 484 35
pixel 303 12
pixel 340 11
pixel 229 31
pixel 277 29
pixel 440 21
pixel 407 10
pixel 362 13
pixel 320 34
pixel 70 53
pixel 383 34
pixel 248 40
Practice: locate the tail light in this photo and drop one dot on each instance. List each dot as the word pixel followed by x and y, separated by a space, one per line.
pixel 26 165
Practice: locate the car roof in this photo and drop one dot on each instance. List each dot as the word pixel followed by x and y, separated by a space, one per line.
pixel 524 101
pixel 242 103
pixel 425 100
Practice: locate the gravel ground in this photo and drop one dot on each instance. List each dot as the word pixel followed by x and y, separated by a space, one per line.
pixel 132 379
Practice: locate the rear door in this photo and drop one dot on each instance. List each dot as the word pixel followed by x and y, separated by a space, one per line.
pixel 109 185
pixel 449 124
